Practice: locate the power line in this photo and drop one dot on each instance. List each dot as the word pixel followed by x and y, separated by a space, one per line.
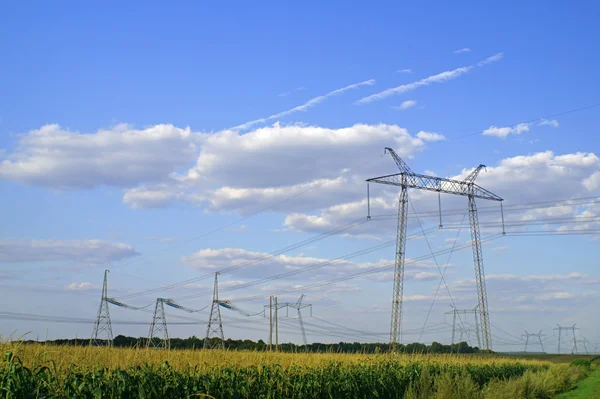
pixel 364 273
pixel 535 120
pixel 296 245
pixel 303 270
pixel 318 184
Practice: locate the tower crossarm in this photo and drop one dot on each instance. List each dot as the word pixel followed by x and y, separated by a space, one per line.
pixel 437 184
pixel 169 302
pixel 401 164
pixel 473 175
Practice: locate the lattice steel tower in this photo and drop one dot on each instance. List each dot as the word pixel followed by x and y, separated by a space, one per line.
pixel 158 337
pixel 102 323
pixel 408 179
pixel 215 324
pixel 528 335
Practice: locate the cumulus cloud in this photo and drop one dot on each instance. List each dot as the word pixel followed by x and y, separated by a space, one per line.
pixel 438 78
pixel 406 105
pixel 122 156
pixel 592 183
pixel 520 179
pixel 246 172
pixel 94 252
pixel 251 264
pixel 503 132
pixel 433 137
pixel 546 122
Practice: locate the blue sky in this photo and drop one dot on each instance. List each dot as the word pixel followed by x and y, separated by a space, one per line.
pixel 127 134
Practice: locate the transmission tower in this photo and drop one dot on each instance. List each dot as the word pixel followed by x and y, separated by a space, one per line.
pixel 215 324
pixel 457 312
pixel 158 337
pixel 539 336
pixel 567 329
pixel 298 305
pixel 102 324
pixel 584 343
pixel 408 179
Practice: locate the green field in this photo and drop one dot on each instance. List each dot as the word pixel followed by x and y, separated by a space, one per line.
pixel 46 371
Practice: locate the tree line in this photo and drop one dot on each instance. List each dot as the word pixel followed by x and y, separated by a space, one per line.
pixel 194 342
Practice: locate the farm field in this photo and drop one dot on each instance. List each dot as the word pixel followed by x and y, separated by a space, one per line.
pixel 37 370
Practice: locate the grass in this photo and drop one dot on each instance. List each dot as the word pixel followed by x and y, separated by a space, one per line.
pixel 586 388
pixel 37 370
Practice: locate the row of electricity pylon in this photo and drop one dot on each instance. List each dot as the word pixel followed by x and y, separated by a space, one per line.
pixel 158 336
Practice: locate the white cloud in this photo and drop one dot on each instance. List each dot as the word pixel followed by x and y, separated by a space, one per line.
pixel 406 105
pixel 94 252
pixel 433 137
pixel 246 172
pixel 439 78
pixel 57 158
pixel 287 93
pixel 489 60
pixel 534 277
pixel 592 183
pixel 406 70
pixel 304 107
pixel 462 50
pixel 82 287
pixel 520 179
pixel 503 132
pixel 260 265
pixel 556 295
pixel 546 122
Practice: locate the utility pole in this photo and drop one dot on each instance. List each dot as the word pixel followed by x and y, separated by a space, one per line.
pixel 274 307
pixel 408 179
pixel 457 312
pixel 102 323
pixel 215 324
pixel 566 330
pixel 276 327
pixel 539 336
pixel 271 323
pixel 159 327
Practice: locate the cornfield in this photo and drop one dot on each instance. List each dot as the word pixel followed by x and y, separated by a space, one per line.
pixel 40 371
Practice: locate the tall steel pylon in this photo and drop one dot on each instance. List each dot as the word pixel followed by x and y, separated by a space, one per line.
pixel 102 323
pixel 408 179
pixel 539 336
pixel 215 324
pixel 158 336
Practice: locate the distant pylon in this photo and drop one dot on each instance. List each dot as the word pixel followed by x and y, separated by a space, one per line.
pixel 566 329
pixel 274 306
pixel 538 335
pixel 215 324
pixel 456 312
pixel 158 337
pixel 102 323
